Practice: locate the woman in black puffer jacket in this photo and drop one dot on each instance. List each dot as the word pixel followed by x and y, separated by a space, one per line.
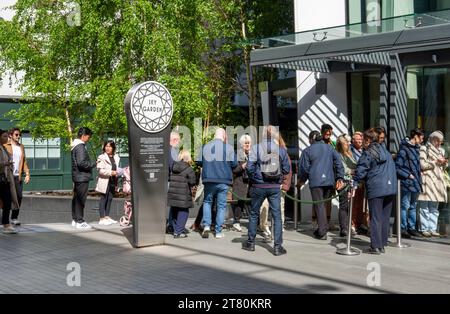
pixel 179 197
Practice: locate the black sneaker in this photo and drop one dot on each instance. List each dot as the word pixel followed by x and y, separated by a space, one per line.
pixel 318 236
pixel 405 235
pixel 373 251
pixel 279 250
pixel 248 246
pixel 414 233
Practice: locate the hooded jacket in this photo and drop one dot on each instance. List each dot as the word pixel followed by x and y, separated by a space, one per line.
pixel 407 164
pixel 81 163
pixel 377 168
pixel 182 179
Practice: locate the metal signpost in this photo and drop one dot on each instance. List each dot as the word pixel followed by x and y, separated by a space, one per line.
pixel 149 110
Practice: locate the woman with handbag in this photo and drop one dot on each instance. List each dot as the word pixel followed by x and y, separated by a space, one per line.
pixel 108 172
pixel 7 186
pixel 433 166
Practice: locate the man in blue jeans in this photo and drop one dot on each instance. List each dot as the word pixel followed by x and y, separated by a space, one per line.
pixel 217 162
pixel 267 165
pixel 409 173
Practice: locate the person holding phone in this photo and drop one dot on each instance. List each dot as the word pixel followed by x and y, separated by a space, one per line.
pixel 433 166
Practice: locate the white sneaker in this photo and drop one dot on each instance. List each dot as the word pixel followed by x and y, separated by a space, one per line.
pixel 74 223
pixel 83 225
pixel 9 230
pixel 237 227
pixel 266 231
pixel 15 222
pixel 206 231
pixel 112 221
pixel 220 235
pixel 104 222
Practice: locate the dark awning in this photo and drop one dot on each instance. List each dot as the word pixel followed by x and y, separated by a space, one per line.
pixel 356 44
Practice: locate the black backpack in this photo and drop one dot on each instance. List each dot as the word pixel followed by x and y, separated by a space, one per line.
pixel 271 166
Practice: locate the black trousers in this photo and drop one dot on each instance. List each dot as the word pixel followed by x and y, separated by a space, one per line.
pixel 238 209
pixel 318 194
pixel 105 201
pixel 344 205
pixel 80 192
pixel 380 212
pixel 19 193
pixel 5 196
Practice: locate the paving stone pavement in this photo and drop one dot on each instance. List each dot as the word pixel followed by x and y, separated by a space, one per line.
pixel 36 260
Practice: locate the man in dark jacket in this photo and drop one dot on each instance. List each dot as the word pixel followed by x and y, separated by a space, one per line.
pixel 267 165
pixel 408 171
pixel 217 161
pixel 377 169
pixel 81 174
pixel 322 166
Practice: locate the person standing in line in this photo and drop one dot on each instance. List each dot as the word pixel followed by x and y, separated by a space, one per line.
pixel 349 163
pixel 173 157
pixel 357 145
pixel 217 161
pixel 17 151
pixel 108 173
pixel 381 135
pixel 285 187
pixel 433 165
pixel 326 131
pixel 322 166
pixel 182 179
pixel 82 167
pixel 409 173
pixel 268 163
pixel 240 181
pixel 360 217
pixel 377 168
pixel 7 187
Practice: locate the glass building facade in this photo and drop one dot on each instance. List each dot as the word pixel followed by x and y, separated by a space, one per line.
pixel 428 85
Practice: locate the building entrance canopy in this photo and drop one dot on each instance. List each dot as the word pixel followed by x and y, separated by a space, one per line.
pixel 354 46
pixel 387 46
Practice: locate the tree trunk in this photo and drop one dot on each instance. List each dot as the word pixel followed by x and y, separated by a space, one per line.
pixel 69 123
pixel 250 78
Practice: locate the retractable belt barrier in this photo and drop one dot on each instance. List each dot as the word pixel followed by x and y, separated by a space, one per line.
pixel 297 200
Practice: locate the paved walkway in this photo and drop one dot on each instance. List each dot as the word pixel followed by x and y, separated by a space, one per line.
pixel 35 261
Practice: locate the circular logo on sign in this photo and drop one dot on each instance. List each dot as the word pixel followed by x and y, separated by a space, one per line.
pixel 152 107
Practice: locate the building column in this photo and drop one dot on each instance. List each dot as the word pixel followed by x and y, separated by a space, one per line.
pixel 384 98
pixel 398 104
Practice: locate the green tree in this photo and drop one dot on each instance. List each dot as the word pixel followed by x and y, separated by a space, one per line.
pixel 242 23
pixel 79 58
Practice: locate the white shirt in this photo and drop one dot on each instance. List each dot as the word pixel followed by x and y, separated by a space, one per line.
pixel 17 156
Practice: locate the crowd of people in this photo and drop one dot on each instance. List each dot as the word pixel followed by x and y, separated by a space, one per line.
pixel 358 167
